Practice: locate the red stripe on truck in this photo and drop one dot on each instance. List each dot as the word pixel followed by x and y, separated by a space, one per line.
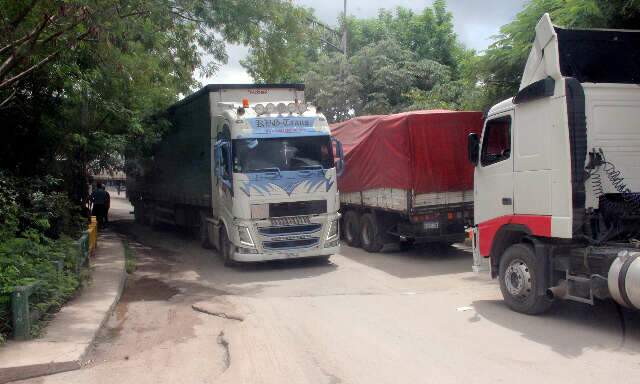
pixel 537 225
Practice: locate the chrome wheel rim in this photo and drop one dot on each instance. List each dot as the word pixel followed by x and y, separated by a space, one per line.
pixel 517 279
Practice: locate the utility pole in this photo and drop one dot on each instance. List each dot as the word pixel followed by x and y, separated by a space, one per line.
pixel 330 36
pixel 344 29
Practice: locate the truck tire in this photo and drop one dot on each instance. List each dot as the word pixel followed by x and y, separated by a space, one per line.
pixel 226 248
pixel 352 229
pixel 372 240
pixel 204 233
pixel 518 281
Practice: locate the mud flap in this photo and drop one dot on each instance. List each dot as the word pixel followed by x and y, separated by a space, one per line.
pixel 543 265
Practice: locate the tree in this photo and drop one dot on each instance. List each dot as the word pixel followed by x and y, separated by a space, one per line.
pixel 380 78
pixel 285 48
pixel 398 61
pixel 80 78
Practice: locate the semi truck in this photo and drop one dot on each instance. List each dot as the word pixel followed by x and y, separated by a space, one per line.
pixel 557 174
pixel 407 179
pixel 251 169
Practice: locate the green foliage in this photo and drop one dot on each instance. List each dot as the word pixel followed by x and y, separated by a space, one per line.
pixel 284 48
pixel 25 260
pixel 399 61
pixel 429 34
pixel 36 222
pixel 36 205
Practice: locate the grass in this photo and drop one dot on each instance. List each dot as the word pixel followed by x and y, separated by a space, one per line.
pixel 129 257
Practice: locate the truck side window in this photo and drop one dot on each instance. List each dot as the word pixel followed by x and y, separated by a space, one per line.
pixel 225 163
pixel 496 145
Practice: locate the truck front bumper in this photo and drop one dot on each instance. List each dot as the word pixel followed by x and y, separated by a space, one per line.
pixel 284 255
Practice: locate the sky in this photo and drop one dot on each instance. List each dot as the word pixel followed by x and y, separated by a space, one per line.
pixel 475 21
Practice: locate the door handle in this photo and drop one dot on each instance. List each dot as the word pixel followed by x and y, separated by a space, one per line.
pixel 507 201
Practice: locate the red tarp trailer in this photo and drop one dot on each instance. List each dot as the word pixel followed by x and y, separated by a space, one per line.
pixel 423 151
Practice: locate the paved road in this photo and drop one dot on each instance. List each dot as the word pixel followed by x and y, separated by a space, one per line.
pixel 362 318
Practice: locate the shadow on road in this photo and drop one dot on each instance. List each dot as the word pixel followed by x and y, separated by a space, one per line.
pixel 176 258
pixel 576 327
pixel 421 261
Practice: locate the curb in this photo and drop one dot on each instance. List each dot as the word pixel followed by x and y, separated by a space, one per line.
pixel 112 307
pixel 77 352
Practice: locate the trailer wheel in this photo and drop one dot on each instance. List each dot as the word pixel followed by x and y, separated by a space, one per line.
pixel 372 240
pixel 352 228
pixel 226 248
pixel 204 233
pixel 518 281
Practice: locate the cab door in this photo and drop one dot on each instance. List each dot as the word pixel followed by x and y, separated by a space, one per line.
pixel 493 186
pixel 224 178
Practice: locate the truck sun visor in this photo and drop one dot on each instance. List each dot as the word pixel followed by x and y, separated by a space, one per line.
pixel 600 56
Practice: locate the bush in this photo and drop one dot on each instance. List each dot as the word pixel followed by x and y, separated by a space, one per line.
pixel 37 225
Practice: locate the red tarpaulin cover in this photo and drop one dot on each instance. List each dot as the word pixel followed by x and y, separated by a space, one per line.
pixel 422 150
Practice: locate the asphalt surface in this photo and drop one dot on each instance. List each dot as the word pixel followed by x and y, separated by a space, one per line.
pixel 395 317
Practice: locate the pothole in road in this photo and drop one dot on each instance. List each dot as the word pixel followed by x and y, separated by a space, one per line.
pixel 147 289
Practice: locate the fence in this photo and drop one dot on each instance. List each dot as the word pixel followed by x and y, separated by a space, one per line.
pixel 22 317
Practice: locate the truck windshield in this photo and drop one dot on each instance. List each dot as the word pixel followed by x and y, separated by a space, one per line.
pixel 283 153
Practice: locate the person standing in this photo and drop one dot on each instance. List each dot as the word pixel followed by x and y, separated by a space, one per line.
pixel 100 200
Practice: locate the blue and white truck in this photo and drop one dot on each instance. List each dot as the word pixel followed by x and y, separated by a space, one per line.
pixel 250 168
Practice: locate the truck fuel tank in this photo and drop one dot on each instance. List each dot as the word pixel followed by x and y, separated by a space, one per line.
pixel 624 279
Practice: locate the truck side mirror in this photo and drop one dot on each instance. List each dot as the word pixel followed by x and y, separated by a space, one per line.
pixel 473 148
pixel 340 153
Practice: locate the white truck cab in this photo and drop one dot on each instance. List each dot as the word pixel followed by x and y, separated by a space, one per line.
pixel 557 177
pixel 275 193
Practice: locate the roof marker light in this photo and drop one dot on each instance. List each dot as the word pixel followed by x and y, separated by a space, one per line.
pixel 271 108
pixel 245 103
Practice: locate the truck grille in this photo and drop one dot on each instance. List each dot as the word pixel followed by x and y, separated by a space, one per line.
pixel 288 244
pixel 282 221
pixel 288 230
pixel 297 208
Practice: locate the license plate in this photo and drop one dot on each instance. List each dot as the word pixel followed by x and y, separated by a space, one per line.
pixel 431 225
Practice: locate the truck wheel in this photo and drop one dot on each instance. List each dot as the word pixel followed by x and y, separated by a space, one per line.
pixel 518 281
pixel 371 236
pixel 352 229
pixel 204 233
pixel 226 248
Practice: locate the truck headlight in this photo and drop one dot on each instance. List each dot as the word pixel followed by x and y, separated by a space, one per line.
pixel 332 233
pixel 245 236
